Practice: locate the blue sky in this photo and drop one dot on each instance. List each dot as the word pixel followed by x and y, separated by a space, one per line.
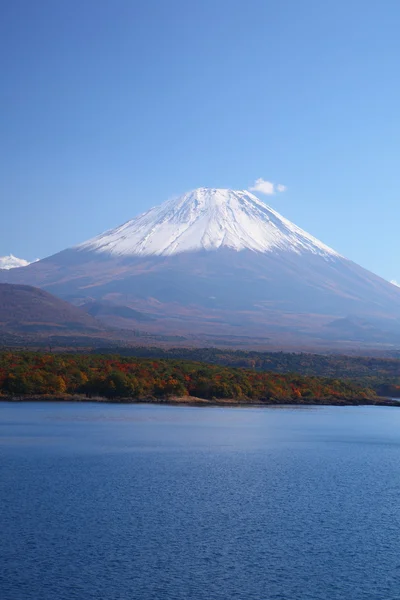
pixel 108 108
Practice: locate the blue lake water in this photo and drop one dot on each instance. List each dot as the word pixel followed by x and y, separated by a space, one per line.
pixel 119 502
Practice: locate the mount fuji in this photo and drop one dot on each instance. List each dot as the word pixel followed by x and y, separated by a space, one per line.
pixel 206 219
pixel 220 263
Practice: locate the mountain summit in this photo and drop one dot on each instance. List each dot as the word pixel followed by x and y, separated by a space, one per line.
pixel 221 264
pixel 206 219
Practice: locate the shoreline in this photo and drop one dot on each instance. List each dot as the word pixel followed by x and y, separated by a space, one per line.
pixel 194 401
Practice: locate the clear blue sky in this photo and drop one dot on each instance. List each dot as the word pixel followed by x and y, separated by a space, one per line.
pixel 111 106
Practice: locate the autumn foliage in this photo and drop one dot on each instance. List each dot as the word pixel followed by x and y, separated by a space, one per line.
pixel 113 377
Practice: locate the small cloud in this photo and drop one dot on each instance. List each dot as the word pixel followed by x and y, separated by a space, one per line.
pixel 12 262
pixel 395 282
pixel 267 187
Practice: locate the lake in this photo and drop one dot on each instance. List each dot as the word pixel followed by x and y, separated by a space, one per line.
pixel 122 502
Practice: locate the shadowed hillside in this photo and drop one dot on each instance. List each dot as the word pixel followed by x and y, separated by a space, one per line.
pixel 25 309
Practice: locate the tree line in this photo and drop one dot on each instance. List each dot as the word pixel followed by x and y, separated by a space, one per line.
pixel 382 374
pixel 115 376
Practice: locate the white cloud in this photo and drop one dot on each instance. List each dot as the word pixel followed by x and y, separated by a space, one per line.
pixel 12 262
pixel 267 187
pixel 395 282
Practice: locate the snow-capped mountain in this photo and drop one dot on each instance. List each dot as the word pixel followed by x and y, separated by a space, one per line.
pixel 12 262
pixel 206 219
pixel 221 263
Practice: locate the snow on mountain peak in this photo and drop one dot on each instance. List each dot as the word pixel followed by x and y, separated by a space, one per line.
pixel 12 262
pixel 206 219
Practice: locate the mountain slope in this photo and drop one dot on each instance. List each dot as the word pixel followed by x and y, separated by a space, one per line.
pixel 26 309
pixel 221 263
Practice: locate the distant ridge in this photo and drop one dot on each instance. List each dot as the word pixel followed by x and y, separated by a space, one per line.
pixel 12 262
pixel 26 309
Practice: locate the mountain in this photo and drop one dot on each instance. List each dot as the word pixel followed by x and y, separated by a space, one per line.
pixel 12 262
pixel 221 263
pixel 206 219
pixel 28 310
pixel 114 314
